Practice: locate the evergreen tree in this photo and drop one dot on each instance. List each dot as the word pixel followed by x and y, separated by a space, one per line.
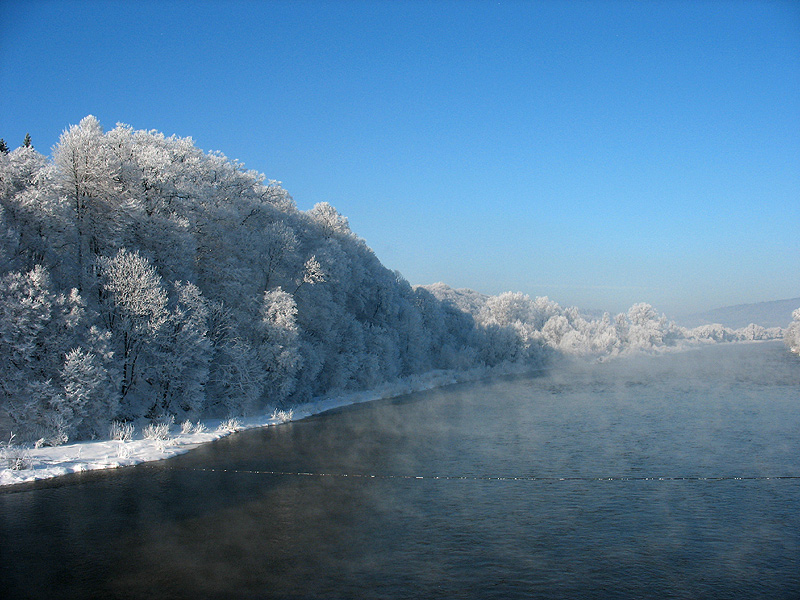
pixel 3 147
pixel 26 143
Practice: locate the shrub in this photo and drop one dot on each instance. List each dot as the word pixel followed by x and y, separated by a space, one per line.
pixel 231 425
pixel 16 457
pixel 156 431
pixel 120 431
pixel 189 427
pixel 284 416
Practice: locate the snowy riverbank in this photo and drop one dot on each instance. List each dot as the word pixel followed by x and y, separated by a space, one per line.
pixel 48 462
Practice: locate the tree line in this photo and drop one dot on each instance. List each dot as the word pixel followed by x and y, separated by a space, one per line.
pixel 142 278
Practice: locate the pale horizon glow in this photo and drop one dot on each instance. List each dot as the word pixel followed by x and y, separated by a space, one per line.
pixel 598 153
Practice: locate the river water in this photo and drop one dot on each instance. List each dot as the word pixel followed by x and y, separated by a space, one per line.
pixel 675 476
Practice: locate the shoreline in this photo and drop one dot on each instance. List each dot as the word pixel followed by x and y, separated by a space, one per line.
pixel 92 455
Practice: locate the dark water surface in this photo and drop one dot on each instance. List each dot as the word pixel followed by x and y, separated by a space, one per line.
pixel 526 487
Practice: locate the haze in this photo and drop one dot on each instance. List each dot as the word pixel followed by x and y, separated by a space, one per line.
pixel 599 153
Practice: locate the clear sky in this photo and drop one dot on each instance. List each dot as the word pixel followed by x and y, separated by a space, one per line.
pixel 600 153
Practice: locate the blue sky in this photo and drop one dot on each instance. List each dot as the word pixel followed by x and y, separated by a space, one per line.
pixel 599 153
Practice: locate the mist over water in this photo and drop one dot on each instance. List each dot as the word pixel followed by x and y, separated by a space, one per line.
pixel 651 477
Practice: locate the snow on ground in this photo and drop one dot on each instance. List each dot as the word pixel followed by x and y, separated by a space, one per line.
pixel 47 462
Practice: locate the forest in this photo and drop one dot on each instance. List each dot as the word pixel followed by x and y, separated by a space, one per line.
pixel 143 279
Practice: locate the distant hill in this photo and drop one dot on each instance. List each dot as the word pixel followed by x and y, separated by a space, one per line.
pixel 767 314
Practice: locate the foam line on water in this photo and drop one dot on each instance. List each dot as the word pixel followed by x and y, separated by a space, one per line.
pixel 622 478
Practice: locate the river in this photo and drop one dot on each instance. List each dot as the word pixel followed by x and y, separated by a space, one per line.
pixel 675 476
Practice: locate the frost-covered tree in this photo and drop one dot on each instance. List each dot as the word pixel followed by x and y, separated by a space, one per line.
pixel 646 328
pixel 135 311
pixel 89 178
pixel 792 335
pixel 713 332
pixel 329 220
pixel 89 399
pixel 32 213
pixel 278 243
pixel 753 332
pixel 236 378
pixel 312 273
pixel 184 259
pixel 278 344
pixel 37 327
pixel 181 354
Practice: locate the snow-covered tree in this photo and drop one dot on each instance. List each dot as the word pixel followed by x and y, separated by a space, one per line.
pixel 37 227
pixel 312 273
pixel 184 259
pixel 329 220
pixel 181 355
pixel 89 177
pixel 279 344
pixel 37 327
pixel 792 335
pixel 89 400
pixel 646 328
pixel 713 332
pixel 277 247
pixel 135 311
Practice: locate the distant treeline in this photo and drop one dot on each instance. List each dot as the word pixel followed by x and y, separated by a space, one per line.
pixel 143 278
